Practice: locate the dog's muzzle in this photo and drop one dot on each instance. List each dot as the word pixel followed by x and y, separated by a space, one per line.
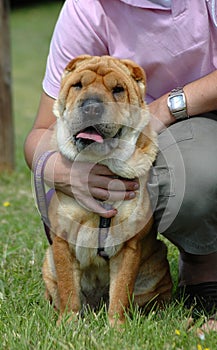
pixel 95 127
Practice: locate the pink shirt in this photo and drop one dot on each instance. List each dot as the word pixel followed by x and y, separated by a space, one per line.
pixel 174 45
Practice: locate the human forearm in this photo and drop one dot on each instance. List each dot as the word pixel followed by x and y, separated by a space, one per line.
pixel 38 140
pixel 201 97
pixel 35 145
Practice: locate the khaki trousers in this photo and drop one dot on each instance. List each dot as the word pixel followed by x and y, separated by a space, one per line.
pixel 183 184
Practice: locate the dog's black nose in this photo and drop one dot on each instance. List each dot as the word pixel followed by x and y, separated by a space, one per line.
pixel 92 108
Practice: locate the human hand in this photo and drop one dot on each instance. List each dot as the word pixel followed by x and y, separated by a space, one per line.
pixel 88 183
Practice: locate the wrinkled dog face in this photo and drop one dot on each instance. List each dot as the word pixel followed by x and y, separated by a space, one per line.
pixel 100 102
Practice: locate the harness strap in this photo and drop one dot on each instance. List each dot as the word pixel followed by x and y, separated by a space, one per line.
pixel 40 193
pixel 104 225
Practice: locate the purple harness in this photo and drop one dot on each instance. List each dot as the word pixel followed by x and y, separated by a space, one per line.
pixel 41 197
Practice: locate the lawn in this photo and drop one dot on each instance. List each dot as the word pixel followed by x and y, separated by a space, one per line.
pixel 26 319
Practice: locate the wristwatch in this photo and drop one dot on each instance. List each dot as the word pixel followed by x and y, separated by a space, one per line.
pixel 176 103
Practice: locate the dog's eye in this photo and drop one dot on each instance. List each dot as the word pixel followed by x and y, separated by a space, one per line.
pixel 77 86
pixel 117 89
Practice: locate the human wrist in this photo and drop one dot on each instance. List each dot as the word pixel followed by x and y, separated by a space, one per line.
pixel 57 173
pixel 161 117
pixel 177 103
pixel 44 166
pixel 52 170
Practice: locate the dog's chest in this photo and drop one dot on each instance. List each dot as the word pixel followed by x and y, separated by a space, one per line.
pixel 83 232
pixel 95 284
pixel 89 256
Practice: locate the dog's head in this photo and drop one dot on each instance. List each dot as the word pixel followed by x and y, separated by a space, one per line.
pixel 101 101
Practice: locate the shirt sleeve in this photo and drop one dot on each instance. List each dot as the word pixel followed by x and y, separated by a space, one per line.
pixel 80 29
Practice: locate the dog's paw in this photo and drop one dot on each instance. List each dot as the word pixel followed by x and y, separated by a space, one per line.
pixel 69 318
pixel 117 323
pixel 59 321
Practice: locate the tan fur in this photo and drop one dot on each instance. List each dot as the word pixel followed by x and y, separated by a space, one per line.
pixel 73 272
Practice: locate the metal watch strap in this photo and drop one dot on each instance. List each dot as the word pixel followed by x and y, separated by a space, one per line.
pixel 182 113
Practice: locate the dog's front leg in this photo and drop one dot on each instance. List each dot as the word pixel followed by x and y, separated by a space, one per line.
pixel 123 272
pixel 68 277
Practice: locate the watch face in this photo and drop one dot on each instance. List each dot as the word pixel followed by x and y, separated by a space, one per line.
pixel 177 103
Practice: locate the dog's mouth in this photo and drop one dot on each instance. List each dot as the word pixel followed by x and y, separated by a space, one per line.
pixel 95 134
pixel 89 135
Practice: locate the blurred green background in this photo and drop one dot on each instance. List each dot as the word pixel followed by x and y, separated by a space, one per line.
pixel 31 30
pixel 27 322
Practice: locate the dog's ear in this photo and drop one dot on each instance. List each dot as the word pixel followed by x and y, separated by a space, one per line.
pixel 59 104
pixel 137 73
pixel 75 63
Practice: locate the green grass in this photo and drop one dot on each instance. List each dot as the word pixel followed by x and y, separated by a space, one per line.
pixel 26 319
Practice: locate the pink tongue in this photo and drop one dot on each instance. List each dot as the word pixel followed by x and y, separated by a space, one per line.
pixel 91 135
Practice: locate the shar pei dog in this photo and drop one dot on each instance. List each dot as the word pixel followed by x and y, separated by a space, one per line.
pixel 102 118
